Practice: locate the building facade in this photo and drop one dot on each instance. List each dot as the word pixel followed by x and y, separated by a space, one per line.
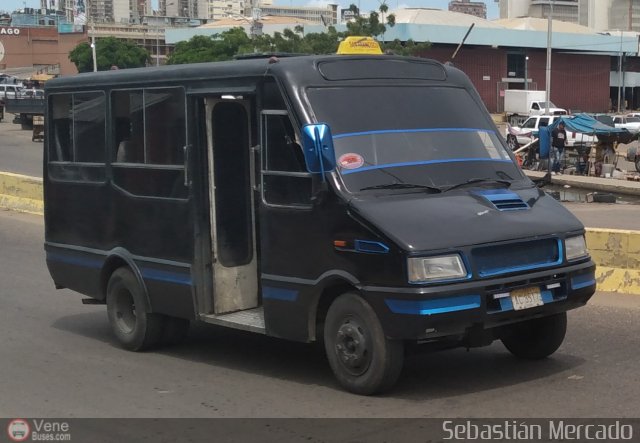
pixel 479 9
pixel 39 49
pixel 600 15
pixel 564 10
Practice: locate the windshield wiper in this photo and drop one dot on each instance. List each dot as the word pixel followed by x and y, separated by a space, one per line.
pixel 473 181
pixel 403 186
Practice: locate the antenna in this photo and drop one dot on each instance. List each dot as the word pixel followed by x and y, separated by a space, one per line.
pixel 462 42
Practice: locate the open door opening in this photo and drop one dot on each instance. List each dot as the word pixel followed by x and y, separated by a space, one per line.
pixel 233 232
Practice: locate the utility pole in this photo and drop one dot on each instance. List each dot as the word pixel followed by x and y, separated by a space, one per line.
pixel 548 77
pixel 620 74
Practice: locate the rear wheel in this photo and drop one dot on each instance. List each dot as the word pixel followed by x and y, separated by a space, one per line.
pixel 363 360
pixel 135 328
pixel 538 338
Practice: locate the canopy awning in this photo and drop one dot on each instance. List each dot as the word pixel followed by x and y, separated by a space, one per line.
pixel 41 77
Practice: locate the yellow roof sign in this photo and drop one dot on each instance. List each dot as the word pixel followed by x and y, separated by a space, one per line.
pixel 359 45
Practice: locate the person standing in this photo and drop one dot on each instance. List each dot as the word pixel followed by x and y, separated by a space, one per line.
pixel 559 139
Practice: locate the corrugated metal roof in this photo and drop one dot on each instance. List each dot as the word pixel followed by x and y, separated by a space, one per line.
pixel 431 16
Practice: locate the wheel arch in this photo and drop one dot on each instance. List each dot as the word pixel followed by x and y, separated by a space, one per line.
pixel 121 258
pixel 332 287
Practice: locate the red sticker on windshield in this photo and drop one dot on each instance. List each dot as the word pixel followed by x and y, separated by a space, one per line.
pixel 351 161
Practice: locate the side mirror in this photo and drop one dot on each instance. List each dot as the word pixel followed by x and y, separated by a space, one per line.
pixel 317 145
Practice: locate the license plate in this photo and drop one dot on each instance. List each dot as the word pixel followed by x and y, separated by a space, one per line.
pixel 526 298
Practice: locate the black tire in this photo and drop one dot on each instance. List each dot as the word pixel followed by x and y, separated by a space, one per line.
pixel 512 142
pixel 538 338
pixel 135 328
pixel 175 330
pixel 363 360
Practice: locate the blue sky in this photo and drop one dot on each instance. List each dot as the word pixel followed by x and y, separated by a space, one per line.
pixel 365 5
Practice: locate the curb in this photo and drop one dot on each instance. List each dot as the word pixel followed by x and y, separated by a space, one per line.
pixel 21 193
pixel 616 252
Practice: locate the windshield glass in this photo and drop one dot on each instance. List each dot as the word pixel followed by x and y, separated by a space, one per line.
pixel 430 136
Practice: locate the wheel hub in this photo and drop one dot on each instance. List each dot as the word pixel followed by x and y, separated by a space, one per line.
pixel 352 347
pixel 125 312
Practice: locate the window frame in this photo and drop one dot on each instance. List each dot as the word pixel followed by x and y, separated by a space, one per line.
pixel 264 172
pixel 113 149
pixel 76 165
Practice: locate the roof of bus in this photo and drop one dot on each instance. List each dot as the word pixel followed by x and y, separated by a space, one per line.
pixel 300 70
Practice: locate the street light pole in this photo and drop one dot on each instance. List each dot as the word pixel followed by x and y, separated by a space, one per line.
pixel 548 76
pixel 526 76
pixel 620 73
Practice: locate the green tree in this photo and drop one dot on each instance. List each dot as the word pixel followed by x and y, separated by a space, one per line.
pixel 216 47
pixel 110 51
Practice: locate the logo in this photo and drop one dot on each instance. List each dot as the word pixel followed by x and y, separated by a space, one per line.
pixel 18 429
pixel 351 161
pixel 9 31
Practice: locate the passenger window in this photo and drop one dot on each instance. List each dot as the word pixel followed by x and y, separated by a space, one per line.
pixel 149 126
pixel 529 124
pixel 78 127
pixel 543 122
pixel 535 106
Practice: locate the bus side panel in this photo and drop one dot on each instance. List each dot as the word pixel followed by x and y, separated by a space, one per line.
pixel 76 232
pixel 76 270
pixel 158 233
pixel 170 289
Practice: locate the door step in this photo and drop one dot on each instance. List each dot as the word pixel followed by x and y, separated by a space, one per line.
pixel 248 320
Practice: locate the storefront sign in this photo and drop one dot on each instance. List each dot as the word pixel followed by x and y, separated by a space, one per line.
pixel 9 31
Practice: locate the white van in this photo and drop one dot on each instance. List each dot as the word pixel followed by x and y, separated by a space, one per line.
pixel 517 136
pixel 9 91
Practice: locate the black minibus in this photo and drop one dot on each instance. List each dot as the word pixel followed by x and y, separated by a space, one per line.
pixel 366 202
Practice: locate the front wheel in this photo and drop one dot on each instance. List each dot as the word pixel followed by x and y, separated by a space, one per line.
pixel 135 328
pixel 512 142
pixel 538 338
pixel 363 360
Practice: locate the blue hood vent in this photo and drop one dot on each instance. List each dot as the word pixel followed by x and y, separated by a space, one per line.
pixel 504 200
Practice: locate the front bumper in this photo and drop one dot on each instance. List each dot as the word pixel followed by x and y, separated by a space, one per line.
pixel 429 313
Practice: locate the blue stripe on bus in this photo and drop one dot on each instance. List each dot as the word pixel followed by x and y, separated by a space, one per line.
pixel 435 306
pixel 424 162
pixel 273 293
pixel 75 260
pixel 405 131
pixel 166 276
pixel 147 273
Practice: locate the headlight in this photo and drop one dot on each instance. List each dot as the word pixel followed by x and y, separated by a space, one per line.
pixel 444 267
pixel 576 247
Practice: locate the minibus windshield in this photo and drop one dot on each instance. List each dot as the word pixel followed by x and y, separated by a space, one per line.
pixel 423 137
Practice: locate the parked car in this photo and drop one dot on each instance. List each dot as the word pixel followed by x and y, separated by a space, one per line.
pixel 604 118
pixel 9 91
pixel 519 136
pixel 630 123
pixel 31 93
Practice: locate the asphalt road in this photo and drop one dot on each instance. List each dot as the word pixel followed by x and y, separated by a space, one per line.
pixel 18 154
pixel 59 359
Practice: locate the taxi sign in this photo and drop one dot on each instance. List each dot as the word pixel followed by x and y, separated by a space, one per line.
pixel 359 45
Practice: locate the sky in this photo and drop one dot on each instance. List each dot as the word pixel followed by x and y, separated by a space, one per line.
pixel 365 5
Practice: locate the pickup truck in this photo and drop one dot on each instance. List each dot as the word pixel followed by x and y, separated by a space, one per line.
pixel 24 109
pixel 517 136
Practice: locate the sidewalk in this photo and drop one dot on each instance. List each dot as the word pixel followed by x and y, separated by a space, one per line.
pixel 599 184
